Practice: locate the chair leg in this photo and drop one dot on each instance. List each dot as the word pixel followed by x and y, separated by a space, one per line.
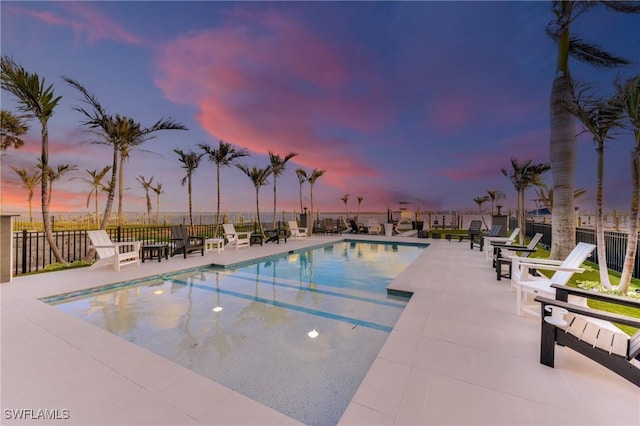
pixel 547 344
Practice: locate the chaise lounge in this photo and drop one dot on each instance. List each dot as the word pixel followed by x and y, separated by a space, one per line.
pixel 185 243
pixel 526 283
pixel 590 332
pixel 118 254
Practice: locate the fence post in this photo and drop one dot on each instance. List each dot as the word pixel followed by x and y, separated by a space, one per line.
pixel 118 233
pixel 24 251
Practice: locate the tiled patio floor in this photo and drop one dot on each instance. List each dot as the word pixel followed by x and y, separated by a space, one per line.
pixel 458 356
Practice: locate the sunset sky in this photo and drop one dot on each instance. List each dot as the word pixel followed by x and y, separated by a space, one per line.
pixel 422 102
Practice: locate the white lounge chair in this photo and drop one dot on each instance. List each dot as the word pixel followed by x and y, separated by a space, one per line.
pixel 374 227
pixel 525 283
pixel 296 232
pixel 118 254
pixel 237 239
pixel 488 241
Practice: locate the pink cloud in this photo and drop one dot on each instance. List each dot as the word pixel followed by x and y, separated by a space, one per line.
pixel 277 87
pixel 84 19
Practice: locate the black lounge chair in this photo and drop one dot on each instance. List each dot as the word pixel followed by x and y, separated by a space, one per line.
pixel 185 243
pixel 358 228
pixel 474 229
pixel 478 239
pixel 611 349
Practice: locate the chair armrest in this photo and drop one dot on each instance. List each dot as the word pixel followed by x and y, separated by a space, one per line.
pixel 246 234
pixel 563 290
pixel 521 249
pixel 548 267
pixel 593 313
pixel 537 261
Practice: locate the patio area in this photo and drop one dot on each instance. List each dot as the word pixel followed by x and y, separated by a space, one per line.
pixel 459 355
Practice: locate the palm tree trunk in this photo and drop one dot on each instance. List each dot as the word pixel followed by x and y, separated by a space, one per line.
pixel 258 209
pixel 112 191
pixel 632 236
pixel 120 190
pixel 301 210
pixel 218 205
pixel 45 197
pixel 31 209
pixel 190 206
pixel 96 201
pixel 601 244
pixel 563 147
pixel 521 214
pixel 273 226
pixel 309 228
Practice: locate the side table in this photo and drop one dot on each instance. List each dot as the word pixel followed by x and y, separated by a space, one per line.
pixel 214 243
pixel 255 239
pixel 155 250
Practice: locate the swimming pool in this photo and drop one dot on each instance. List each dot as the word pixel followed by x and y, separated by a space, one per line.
pixel 297 331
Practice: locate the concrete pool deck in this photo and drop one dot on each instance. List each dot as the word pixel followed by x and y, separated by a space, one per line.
pixel 458 355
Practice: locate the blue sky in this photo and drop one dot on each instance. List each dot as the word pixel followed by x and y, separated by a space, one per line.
pixel 422 102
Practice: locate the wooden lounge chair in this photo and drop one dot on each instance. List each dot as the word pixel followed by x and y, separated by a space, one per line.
pixel 358 228
pixel 296 232
pixel 373 227
pixel 525 283
pixel 590 332
pixel 478 239
pixel 489 240
pixel 185 243
pixel 118 254
pixel 238 239
pixel 474 229
pixel 329 226
pixel 525 251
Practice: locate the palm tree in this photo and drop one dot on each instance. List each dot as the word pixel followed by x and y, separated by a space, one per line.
pixel 28 182
pixel 56 174
pixel 359 202
pixel 139 135
pixel 302 178
pixel 95 185
pixel 190 162
pixel 315 175
pixel 258 177
pixel 158 190
pixel 225 155
pixel 37 101
pixel 120 132
pixel 12 128
pixel 345 199
pixel 146 185
pixel 563 143
pixel 277 165
pixel 598 117
pixel 629 93
pixel 480 201
pixel 523 175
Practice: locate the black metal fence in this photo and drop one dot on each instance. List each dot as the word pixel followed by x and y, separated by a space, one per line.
pixel 32 252
pixel 616 244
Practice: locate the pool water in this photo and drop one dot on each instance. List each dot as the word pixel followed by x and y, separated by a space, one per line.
pixel 296 332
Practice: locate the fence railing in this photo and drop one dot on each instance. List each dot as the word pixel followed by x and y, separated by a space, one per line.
pixel 32 252
pixel 615 241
